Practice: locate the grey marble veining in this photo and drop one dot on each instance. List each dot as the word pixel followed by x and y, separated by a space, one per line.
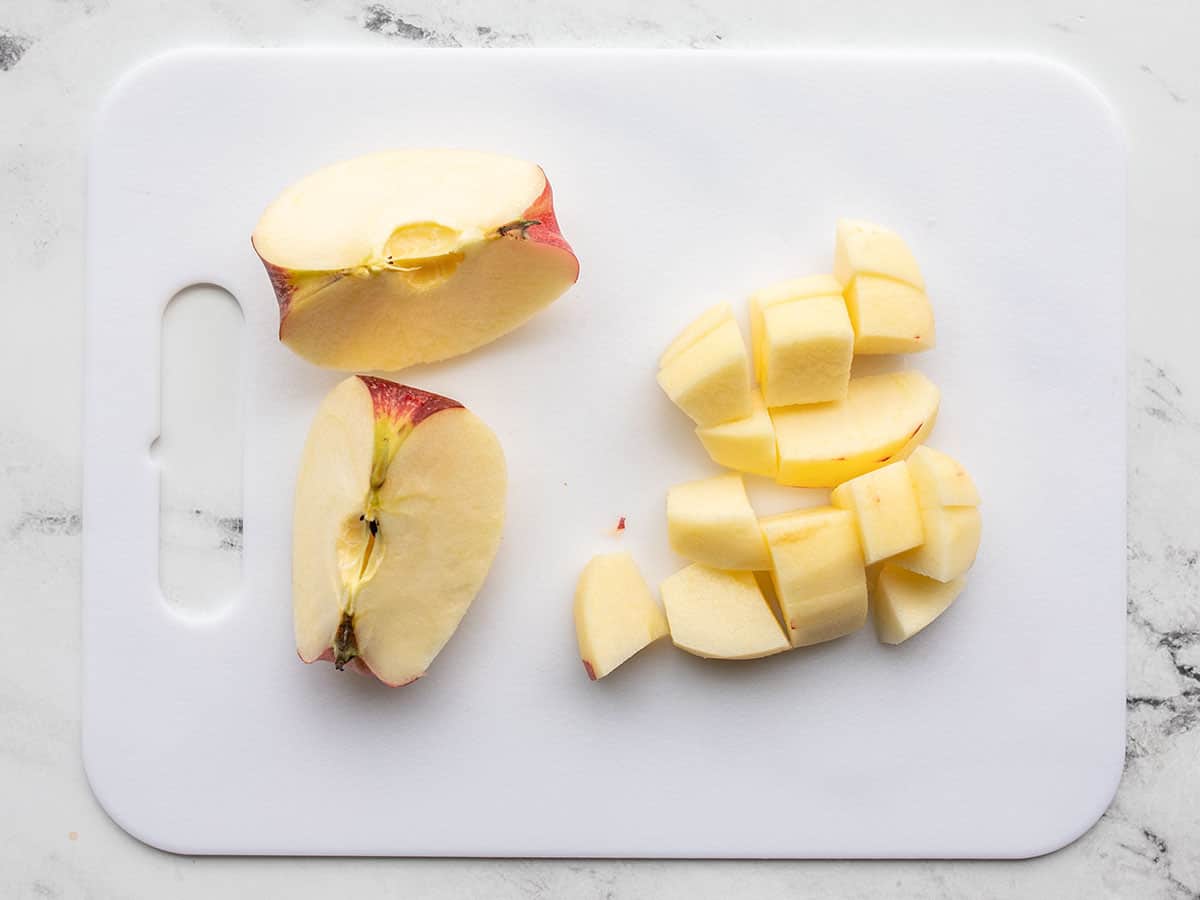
pixel 56 62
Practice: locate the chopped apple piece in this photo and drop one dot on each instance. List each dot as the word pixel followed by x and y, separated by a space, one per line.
pixel 747 445
pixel 806 350
pixel 940 480
pixel 905 602
pixel 411 256
pixel 705 323
pixel 710 380
pixel 822 445
pixel 720 615
pixel 889 316
pixel 863 247
pixel 785 292
pixel 952 536
pixel 616 615
pixel 818 573
pixel 711 522
pixel 885 509
pixel 398 512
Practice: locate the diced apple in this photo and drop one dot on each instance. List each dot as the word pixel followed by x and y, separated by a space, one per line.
pixel 822 445
pixel 818 573
pixel 616 615
pixel 889 316
pixel 951 542
pixel 885 509
pixel 747 445
pixel 863 247
pixel 940 480
pixel 720 615
pixel 710 380
pixel 711 522
pixel 904 602
pixel 785 292
pixel 703 324
pixel 806 350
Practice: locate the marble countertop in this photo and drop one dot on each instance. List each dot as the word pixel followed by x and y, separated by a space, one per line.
pixel 57 60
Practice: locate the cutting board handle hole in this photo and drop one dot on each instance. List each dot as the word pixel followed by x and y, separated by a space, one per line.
pixel 199 451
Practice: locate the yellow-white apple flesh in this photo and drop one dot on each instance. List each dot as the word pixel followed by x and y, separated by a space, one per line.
pixel 616 615
pixel 824 444
pixel 710 379
pixel 746 445
pixel 711 522
pixel 706 322
pixel 720 615
pixel 951 542
pixel 818 573
pixel 784 292
pixel 940 480
pixel 885 510
pixel 866 248
pixel 411 256
pixel 805 351
pixel 398 512
pixel 904 602
pixel 889 316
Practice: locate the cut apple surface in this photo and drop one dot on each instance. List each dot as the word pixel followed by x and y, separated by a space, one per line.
pixel 706 322
pixel 867 248
pixel 709 379
pixel 951 542
pixel 822 445
pixel 746 445
pixel 616 615
pixel 885 510
pixel 411 256
pixel 818 572
pixel 940 480
pixel 784 292
pixel 711 522
pixel 720 615
pixel 399 508
pixel 889 316
pixel 904 603
pixel 805 351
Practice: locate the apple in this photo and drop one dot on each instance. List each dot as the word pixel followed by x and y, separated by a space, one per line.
pixel 889 316
pixel 940 480
pixel 706 372
pixel 720 615
pixel 398 511
pixel 864 247
pixel 746 445
pixel 818 572
pixel 782 292
pixel 904 603
pixel 882 417
pixel 951 542
pixel 885 510
pixel 411 256
pixel 711 522
pixel 616 615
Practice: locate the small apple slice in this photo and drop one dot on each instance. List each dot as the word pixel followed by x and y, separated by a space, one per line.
pixel 411 256
pixel 885 510
pixel 818 573
pixel 747 445
pixel 616 615
pixel 889 316
pixel 940 480
pixel 703 324
pixel 710 379
pixel 784 292
pixel 824 444
pixel 863 247
pixel 904 602
pixel 805 351
pixel 951 542
pixel 720 615
pixel 398 512
pixel 711 522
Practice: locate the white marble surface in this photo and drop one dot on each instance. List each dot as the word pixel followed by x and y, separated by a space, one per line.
pixel 56 62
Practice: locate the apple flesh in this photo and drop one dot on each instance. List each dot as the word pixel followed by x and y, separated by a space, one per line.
pixel 885 510
pixel 941 480
pixel 616 615
pixel 951 542
pixel 398 512
pixel 711 522
pixel 411 256
pixel 904 603
pixel 706 372
pixel 745 445
pixel 721 615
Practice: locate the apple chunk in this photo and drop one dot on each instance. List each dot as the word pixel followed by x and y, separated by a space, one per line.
pixel 720 615
pixel 904 602
pixel 747 445
pixel 885 509
pixel 889 316
pixel 941 480
pixel 411 256
pixel 711 522
pixel 615 613
pixel 951 542
pixel 864 247
pixel 706 372
pixel 398 512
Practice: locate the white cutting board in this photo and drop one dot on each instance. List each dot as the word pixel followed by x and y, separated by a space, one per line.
pixel 681 179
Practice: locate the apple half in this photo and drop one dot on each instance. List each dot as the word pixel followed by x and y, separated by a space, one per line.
pixel 398 512
pixel 411 256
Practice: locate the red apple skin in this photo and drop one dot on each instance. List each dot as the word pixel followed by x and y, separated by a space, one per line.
pixel 547 230
pixel 359 665
pixel 402 403
pixel 587 667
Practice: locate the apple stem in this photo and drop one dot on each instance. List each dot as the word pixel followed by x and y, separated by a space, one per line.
pixel 345 647
pixel 521 225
